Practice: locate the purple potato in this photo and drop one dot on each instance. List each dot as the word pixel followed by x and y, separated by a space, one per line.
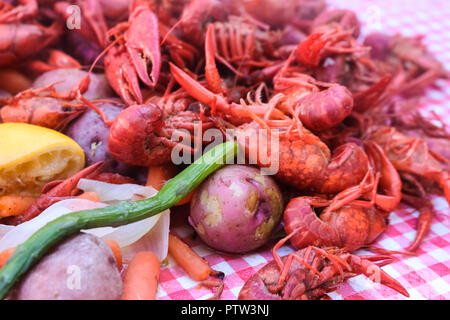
pixel 67 78
pixel 236 209
pixel 85 51
pixel 82 267
pixel 91 133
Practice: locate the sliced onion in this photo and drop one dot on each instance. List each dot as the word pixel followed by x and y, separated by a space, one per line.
pixel 4 229
pixel 156 240
pixel 150 234
pixel 112 193
pixel 18 234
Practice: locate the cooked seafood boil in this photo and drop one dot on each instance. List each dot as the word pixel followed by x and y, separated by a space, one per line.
pixel 117 115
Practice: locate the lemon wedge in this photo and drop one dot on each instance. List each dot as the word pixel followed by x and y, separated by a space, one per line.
pixel 31 156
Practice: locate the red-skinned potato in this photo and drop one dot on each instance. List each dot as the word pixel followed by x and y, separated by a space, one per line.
pixel 82 267
pixel 236 209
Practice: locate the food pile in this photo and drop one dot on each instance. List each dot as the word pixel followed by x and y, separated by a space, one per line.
pixel 94 117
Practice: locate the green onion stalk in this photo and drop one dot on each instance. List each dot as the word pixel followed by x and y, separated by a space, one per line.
pixel 28 253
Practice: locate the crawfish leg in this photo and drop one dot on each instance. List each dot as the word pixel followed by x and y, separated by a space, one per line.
pixel 425 218
pixel 60 191
pixel 211 72
pixel 375 273
pixel 26 9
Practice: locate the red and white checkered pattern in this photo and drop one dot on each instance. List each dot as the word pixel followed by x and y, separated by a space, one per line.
pixel 425 276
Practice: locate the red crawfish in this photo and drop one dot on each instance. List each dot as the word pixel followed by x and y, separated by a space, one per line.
pixel 305 162
pixel 24 10
pixel 182 53
pixel 312 272
pixel 135 48
pixel 56 191
pixel 240 49
pixel 50 60
pixel 235 45
pixel 326 41
pixel 408 57
pixel 405 117
pixel 145 135
pixel 59 190
pixel 412 158
pixel 28 36
pixel 332 54
pixel 318 105
pixel 411 155
pixel 355 217
pixel 197 13
pixel 317 109
pixel 22 40
pixel 42 107
pixel 92 24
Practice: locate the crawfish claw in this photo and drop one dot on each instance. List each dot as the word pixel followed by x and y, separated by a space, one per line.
pixel 143 44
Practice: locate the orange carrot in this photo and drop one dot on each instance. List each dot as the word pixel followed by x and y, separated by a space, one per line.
pixel 14 205
pixel 116 251
pixel 159 175
pixel 142 277
pixel 186 199
pixel 5 255
pixel 89 196
pixel 195 266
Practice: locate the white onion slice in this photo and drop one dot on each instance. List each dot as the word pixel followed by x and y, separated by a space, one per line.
pixel 150 234
pixel 4 229
pixel 112 193
pixel 156 240
pixel 19 234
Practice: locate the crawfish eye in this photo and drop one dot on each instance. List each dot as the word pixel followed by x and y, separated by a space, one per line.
pixel 66 109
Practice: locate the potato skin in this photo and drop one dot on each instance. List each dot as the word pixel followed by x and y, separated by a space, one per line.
pixel 55 276
pixel 236 209
pixel 91 133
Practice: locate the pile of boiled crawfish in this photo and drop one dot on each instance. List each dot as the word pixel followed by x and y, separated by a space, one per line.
pixel 352 140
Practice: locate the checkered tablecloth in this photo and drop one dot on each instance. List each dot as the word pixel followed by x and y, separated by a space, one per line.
pixel 425 276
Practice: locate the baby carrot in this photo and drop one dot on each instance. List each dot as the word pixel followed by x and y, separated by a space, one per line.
pixel 116 251
pixel 159 175
pixel 89 196
pixel 5 255
pixel 14 205
pixel 142 277
pixel 195 266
